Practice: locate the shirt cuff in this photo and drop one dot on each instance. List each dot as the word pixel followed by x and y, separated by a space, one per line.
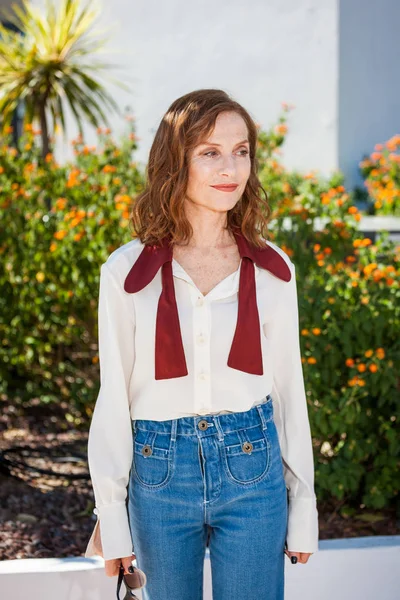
pixel 302 531
pixel 115 531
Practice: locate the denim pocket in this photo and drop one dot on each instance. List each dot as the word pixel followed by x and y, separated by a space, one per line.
pixel 152 457
pixel 247 454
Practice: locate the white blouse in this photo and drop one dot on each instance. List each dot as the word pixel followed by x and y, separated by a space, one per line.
pixel 128 389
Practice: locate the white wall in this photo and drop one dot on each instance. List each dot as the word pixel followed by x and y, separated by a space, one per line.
pixel 335 60
pixel 262 52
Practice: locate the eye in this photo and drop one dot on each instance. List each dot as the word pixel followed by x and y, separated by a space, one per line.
pixel 246 152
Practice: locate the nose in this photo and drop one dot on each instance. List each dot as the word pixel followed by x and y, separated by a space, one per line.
pixel 228 166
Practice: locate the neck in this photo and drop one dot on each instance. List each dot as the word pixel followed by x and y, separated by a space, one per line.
pixel 209 231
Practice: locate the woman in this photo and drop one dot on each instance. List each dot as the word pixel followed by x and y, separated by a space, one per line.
pixel 201 423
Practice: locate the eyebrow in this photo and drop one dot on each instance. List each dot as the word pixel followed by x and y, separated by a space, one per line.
pixel 215 144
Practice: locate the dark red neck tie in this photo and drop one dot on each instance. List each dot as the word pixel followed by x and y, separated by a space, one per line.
pixel 245 353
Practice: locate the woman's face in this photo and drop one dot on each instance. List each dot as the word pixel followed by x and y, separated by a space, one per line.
pixel 224 158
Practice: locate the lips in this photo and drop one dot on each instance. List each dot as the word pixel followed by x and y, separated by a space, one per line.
pixel 225 188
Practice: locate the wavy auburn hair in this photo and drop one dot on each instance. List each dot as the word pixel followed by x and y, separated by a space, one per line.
pixel 158 210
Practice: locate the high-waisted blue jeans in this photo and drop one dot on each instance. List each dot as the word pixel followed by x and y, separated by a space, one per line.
pixel 217 474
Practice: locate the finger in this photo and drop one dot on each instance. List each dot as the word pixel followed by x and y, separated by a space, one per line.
pixel 111 567
pixel 292 554
pixel 304 556
pixel 127 562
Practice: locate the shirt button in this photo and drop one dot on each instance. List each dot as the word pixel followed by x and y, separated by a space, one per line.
pixel 200 301
pixel 96 511
pixel 203 375
pixel 201 339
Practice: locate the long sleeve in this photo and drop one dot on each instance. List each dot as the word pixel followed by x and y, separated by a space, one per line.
pixel 292 422
pixel 110 446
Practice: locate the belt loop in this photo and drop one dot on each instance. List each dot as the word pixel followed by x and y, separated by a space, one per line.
pixel 262 417
pixel 219 428
pixel 174 426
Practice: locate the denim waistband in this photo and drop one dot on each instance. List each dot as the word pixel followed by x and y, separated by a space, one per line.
pixel 224 423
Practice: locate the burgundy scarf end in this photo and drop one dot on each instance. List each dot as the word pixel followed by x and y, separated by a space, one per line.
pixel 253 366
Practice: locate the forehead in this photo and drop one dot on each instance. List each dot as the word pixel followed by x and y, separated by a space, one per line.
pixel 229 127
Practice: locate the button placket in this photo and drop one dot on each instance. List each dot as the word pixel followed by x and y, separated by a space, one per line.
pixel 202 390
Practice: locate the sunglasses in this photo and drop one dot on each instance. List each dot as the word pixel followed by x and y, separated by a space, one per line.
pixel 133 581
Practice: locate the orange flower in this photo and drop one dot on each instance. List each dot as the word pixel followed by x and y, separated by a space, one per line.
pixel 304 332
pixel 380 353
pixel 361 367
pixel 390 269
pixel 281 129
pixel 59 235
pixel 53 246
pixel 378 275
pixel 316 331
pixel 60 203
pixel 368 353
pixel 349 362
pixel 109 169
pixel 369 268
pixel 373 368
pixel 311 360
pixel 338 223
pixel 74 222
pixel 352 210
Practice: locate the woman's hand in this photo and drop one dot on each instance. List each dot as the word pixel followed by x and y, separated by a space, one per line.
pixel 112 566
pixel 302 557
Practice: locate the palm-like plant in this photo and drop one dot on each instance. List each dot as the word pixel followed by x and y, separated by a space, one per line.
pixel 52 66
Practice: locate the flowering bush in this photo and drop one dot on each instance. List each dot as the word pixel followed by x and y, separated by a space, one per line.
pixel 348 297
pixel 50 262
pixel 382 176
pixel 350 331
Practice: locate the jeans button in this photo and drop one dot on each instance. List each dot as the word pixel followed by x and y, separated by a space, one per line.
pixel 203 424
pixel 147 451
pixel 247 447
